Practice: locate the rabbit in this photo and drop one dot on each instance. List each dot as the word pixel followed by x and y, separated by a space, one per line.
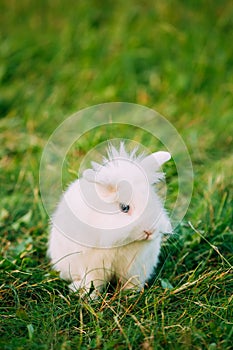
pixel 109 223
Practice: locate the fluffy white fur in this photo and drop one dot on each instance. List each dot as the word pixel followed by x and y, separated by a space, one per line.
pixel 92 240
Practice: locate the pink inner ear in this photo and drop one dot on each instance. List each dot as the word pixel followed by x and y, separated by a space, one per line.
pixel 108 193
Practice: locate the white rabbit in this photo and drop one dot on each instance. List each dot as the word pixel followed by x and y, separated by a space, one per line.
pixel 109 223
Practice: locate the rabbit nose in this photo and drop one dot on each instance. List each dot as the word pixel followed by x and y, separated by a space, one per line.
pixel 148 233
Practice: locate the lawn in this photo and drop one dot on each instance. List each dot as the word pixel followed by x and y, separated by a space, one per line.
pixel 176 57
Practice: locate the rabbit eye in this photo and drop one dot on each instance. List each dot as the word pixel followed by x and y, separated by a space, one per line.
pixel 124 207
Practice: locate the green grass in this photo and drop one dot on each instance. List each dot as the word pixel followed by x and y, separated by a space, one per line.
pixel 58 57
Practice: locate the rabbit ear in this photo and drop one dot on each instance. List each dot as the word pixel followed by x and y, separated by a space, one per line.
pixel 152 163
pixel 106 192
pixel 161 157
pixel 89 175
pixel 92 176
pixel 155 160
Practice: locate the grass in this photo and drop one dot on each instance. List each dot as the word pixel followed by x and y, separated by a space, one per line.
pixel 59 57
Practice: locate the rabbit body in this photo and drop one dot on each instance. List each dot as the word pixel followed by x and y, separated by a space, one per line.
pixel 109 223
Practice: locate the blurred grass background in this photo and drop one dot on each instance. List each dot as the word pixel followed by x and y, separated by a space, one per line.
pixel 176 57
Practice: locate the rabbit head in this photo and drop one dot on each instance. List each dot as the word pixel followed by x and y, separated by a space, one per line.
pixel 119 193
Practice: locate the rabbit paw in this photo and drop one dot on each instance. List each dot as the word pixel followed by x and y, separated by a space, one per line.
pixel 84 291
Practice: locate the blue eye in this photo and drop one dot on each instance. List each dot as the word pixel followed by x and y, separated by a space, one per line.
pixel 124 207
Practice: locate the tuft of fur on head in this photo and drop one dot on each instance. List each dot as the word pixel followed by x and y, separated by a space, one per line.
pixel 121 164
pixel 114 154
